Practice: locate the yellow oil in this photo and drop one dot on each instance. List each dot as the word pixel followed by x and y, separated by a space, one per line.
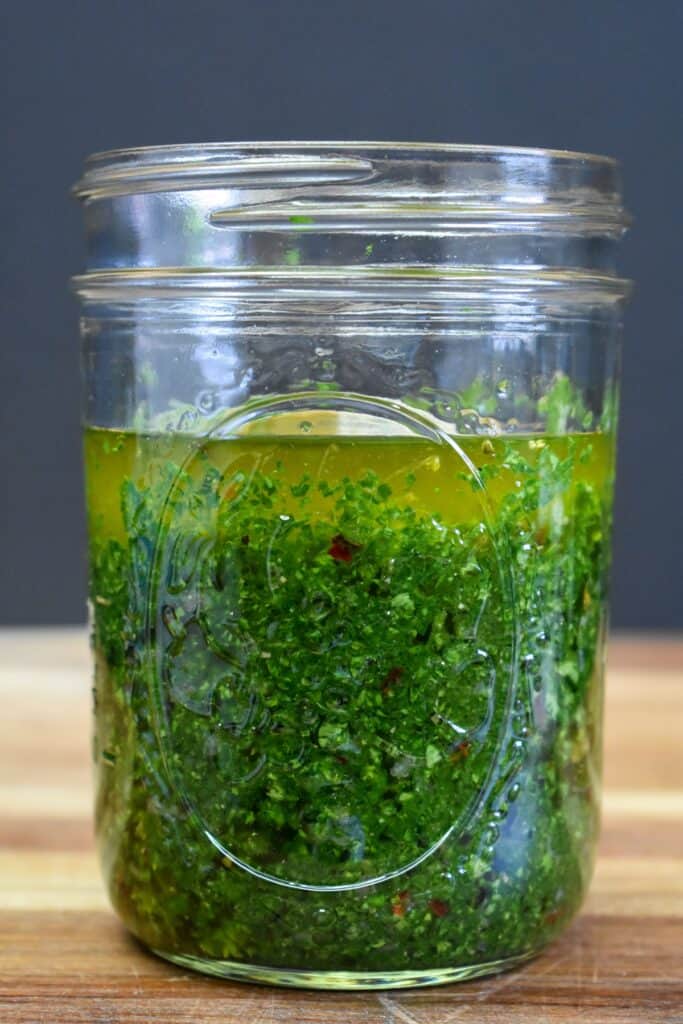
pixel 434 478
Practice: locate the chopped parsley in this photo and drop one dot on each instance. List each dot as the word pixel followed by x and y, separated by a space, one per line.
pixel 347 702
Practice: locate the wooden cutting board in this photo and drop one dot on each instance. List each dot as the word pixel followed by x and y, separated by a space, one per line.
pixel 65 958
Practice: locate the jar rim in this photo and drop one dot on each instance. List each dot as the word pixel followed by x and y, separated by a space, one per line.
pixel 525 170
pixel 259 145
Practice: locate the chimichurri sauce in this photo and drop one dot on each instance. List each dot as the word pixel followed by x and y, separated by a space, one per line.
pixel 348 692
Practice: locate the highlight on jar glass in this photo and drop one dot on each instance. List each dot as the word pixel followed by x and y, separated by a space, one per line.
pixel 350 421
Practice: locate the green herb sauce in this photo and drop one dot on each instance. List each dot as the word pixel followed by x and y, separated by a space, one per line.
pixel 348 692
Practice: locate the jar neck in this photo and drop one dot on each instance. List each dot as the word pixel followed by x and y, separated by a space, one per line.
pixel 358 211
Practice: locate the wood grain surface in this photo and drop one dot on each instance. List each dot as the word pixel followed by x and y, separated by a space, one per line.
pixel 64 958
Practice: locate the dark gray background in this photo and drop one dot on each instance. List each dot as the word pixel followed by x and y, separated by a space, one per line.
pixel 85 75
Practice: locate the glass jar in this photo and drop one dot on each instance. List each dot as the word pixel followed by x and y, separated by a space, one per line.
pixel 350 414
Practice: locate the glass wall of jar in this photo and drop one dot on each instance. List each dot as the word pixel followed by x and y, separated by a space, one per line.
pixel 350 414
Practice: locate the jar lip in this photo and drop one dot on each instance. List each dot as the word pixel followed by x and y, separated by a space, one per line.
pixel 423 168
pixel 184 149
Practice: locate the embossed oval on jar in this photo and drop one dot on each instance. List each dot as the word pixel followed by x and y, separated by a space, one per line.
pixel 325 590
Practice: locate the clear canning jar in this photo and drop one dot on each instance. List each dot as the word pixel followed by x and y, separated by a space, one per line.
pixel 350 414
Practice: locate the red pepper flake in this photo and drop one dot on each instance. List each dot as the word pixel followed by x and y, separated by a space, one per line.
pixel 400 903
pixel 392 677
pixel 341 549
pixel 541 536
pixel 341 759
pixel 553 916
pixel 231 492
pixel 439 908
pixel 245 539
pixel 461 751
